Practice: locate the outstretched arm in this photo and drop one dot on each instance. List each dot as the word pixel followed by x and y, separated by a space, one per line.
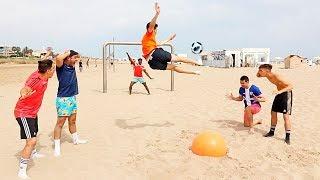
pixel 145 71
pixel 130 59
pixel 168 40
pixel 231 97
pixel 154 19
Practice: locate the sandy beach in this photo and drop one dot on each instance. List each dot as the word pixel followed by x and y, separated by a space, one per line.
pixel 147 136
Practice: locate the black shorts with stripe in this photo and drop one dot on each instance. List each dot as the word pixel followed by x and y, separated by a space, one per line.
pixel 28 127
pixel 282 103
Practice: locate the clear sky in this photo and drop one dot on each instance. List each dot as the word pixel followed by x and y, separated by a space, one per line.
pixel 285 26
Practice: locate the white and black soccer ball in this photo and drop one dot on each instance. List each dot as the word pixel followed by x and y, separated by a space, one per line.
pixel 196 47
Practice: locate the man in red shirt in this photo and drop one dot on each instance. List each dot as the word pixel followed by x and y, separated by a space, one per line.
pixel 27 108
pixel 138 68
pixel 158 58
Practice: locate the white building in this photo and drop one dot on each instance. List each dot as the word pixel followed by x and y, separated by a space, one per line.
pixel 244 57
pixel 39 53
pixel 316 60
pixel 277 60
pixel 215 59
pixel 6 51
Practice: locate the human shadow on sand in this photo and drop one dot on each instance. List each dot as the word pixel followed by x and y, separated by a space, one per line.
pixel 122 123
pixel 136 92
pixel 238 126
pixel 38 148
pixel 168 90
pixel 110 89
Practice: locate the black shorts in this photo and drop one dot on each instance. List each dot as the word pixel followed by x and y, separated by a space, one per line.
pixel 28 127
pixel 282 103
pixel 159 59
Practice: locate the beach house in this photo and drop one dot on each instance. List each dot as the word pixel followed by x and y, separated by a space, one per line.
pixel 241 57
pixel 6 51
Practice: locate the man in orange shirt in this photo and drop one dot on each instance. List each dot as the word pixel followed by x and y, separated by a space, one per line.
pixel 157 57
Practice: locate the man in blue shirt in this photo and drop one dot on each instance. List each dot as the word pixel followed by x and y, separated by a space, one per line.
pixel 66 97
pixel 251 96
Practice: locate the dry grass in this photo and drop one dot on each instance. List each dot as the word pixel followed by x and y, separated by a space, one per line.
pixel 19 60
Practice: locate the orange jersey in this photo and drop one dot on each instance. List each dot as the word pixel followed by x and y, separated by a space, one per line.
pixel 148 43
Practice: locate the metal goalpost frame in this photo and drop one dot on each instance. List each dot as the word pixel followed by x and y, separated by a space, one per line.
pixel 104 55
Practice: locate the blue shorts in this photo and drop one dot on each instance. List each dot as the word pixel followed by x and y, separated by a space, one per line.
pixel 66 106
pixel 138 79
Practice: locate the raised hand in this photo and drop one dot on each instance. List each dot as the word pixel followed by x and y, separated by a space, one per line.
pixel 49 49
pixel 173 36
pixel 128 56
pixel 157 8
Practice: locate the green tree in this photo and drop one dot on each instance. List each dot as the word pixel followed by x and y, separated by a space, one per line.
pixel 17 51
pixel 24 51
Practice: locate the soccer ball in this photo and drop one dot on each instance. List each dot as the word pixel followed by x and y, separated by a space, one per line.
pixel 196 47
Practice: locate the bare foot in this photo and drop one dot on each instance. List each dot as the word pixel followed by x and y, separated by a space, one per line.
pixel 257 122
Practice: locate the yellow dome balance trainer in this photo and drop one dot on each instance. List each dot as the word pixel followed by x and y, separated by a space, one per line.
pixel 209 144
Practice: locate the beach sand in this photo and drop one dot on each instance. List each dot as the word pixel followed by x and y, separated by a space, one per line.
pixel 147 136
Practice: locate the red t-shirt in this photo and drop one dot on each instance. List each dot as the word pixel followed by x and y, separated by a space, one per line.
pixel 138 70
pixel 29 106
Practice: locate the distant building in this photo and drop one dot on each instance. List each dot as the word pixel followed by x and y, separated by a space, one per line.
pixel 294 61
pixel 39 54
pixel 6 51
pixel 215 59
pixel 316 60
pixel 277 60
pixel 244 57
